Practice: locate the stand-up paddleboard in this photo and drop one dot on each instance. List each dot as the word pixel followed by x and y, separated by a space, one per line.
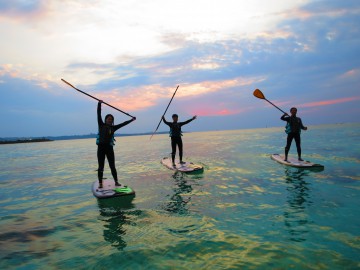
pixel 109 190
pixel 187 167
pixel 294 162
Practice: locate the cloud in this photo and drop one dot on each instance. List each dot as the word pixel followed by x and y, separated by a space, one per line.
pixel 75 66
pixel 330 102
pixel 322 10
pixel 17 72
pixel 22 10
pixel 106 31
pixel 353 73
pixel 9 69
pixel 207 110
pixel 144 97
pixel 206 87
pixel 277 60
pixel 134 99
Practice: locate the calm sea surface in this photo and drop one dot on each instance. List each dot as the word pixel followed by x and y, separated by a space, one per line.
pixel 245 211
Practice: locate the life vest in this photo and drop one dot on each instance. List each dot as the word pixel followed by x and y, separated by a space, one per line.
pixel 175 130
pixel 112 142
pixel 105 132
pixel 293 125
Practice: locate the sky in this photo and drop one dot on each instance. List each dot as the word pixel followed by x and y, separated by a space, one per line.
pixel 133 54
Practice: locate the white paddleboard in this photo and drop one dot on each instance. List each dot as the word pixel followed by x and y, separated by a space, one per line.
pixel 109 189
pixel 294 162
pixel 186 167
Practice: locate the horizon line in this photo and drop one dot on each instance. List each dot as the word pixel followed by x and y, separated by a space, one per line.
pixel 151 132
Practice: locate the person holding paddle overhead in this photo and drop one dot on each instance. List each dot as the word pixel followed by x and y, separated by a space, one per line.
pixel 293 129
pixel 105 143
pixel 175 134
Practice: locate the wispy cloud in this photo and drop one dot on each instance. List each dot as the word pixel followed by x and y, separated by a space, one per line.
pixel 353 73
pixel 330 102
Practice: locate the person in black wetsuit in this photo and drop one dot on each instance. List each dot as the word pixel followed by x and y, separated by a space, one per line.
pixel 175 134
pixel 293 129
pixel 105 142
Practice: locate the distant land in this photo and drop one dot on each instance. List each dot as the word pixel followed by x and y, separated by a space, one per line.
pixel 28 140
pixel 68 137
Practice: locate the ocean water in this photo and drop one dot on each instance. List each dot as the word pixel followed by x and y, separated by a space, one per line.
pixel 245 211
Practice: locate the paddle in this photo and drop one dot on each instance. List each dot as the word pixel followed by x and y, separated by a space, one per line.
pixel 259 94
pixel 95 98
pixel 164 112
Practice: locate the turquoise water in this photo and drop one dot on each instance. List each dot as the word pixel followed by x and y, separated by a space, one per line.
pixel 245 211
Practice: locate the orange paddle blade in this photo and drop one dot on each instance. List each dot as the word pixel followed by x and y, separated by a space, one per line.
pixel 259 94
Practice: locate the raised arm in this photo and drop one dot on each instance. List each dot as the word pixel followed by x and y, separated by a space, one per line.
pixel 99 119
pixel 166 122
pixel 187 121
pixel 116 127
pixel 285 117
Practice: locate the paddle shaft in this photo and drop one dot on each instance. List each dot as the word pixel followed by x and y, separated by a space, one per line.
pixel 95 98
pixel 165 111
pixel 275 106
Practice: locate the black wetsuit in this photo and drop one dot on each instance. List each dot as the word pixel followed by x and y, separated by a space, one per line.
pixel 293 130
pixel 105 145
pixel 175 134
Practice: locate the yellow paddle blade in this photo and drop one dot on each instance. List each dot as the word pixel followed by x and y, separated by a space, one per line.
pixel 259 94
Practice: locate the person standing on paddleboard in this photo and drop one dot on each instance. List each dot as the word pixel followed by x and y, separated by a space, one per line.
pixel 293 129
pixel 105 142
pixel 175 134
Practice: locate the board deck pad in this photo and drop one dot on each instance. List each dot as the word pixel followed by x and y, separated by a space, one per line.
pixel 187 167
pixel 109 189
pixel 294 162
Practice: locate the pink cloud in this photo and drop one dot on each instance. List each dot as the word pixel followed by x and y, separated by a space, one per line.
pixel 214 110
pixel 330 102
pixel 303 14
pixel 148 96
pixel 351 73
pixel 10 70
pixel 16 71
pixel 205 87
pixel 136 99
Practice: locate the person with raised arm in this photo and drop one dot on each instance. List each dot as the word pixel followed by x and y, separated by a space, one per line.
pixel 175 134
pixel 105 142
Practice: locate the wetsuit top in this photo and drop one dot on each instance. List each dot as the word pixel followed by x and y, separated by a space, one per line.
pixel 175 128
pixel 294 124
pixel 106 132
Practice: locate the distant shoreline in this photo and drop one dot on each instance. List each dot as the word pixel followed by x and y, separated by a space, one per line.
pixel 14 140
pixel 25 141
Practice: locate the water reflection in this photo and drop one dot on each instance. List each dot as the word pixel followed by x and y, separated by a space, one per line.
pixel 116 215
pixel 181 195
pixel 298 199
